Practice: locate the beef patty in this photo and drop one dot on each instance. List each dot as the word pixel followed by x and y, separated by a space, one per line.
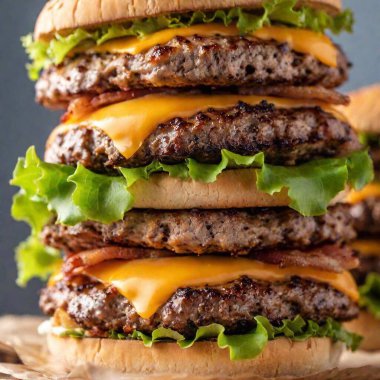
pixel 286 136
pixel 236 231
pixel 188 62
pixel 366 216
pixel 233 305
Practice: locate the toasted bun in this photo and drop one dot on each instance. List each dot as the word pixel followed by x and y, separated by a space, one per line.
pixel 369 328
pixel 233 189
pixel 364 110
pixel 281 357
pixel 65 15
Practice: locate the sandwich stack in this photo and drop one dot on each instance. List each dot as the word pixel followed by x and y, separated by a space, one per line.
pixel 364 112
pixel 194 186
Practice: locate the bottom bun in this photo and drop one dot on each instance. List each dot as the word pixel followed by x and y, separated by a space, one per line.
pixel 369 328
pixel 281 357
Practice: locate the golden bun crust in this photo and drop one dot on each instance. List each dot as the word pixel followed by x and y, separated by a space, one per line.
pixel 65 15
pixel 233 189
pixel 369 328
pixel 281 357
pixel 364 110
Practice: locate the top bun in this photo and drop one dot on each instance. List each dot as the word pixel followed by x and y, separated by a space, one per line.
pixel 65 15
pixel 364 109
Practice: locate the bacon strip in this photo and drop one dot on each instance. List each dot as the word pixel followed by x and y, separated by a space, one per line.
pixel 332 258
pixel 96 256
pixel 306 92
pixel 84 105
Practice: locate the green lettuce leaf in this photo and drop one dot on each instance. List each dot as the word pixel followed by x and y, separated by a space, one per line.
pixel 370 294
pixel 48 183
pixel 72 195
pixel 311 186
pixel 43 54
pixel 99 197
pixel 77 194
pixel 252 344
pixel 135 174
pixel 76 333
pixel 33 212
pixel 359 173
pixel 209 173
pixel 35 260
pixel 37 52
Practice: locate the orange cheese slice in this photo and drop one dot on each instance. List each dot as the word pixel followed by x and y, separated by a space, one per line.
pixel 301 40
pixel 367 247
pixel 371 190
pixel 129 123
pixel 149 283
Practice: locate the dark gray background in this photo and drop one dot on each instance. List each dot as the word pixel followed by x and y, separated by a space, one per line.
pixel 23 123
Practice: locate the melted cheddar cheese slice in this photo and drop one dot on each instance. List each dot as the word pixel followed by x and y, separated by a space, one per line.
pixel 300 40
pixel 129 123
pixel 149 283
pixel 371 190
pixel 367 247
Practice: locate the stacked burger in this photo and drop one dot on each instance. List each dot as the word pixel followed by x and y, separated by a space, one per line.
pixel 364 112
pixel 194 186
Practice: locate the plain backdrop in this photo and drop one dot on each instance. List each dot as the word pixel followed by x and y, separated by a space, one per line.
pixel 24 123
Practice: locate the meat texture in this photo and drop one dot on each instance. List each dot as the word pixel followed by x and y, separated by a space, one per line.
pixel 188 62
pixel 234 305
pixel 287 136
pixel 232 231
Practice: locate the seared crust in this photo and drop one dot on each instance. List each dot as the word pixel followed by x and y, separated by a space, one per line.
pixel 286 136
pixel 233 231
pixel 233 305
pixel 366 216
pixel 188 62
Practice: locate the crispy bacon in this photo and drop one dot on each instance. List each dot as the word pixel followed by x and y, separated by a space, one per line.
pixel 306 92
pixel 332 258
pixel 96 256
pixel 84 105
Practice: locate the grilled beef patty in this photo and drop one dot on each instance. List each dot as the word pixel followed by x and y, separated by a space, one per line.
pixel 234 305
pixel 188 62
pixel 235 231
pixel 331 258
pixel 286 136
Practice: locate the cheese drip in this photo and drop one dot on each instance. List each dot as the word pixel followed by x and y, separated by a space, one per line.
pixel 371 190
pixel 129 123
pixel 367 247
pixel 149 283
pixel 301 40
